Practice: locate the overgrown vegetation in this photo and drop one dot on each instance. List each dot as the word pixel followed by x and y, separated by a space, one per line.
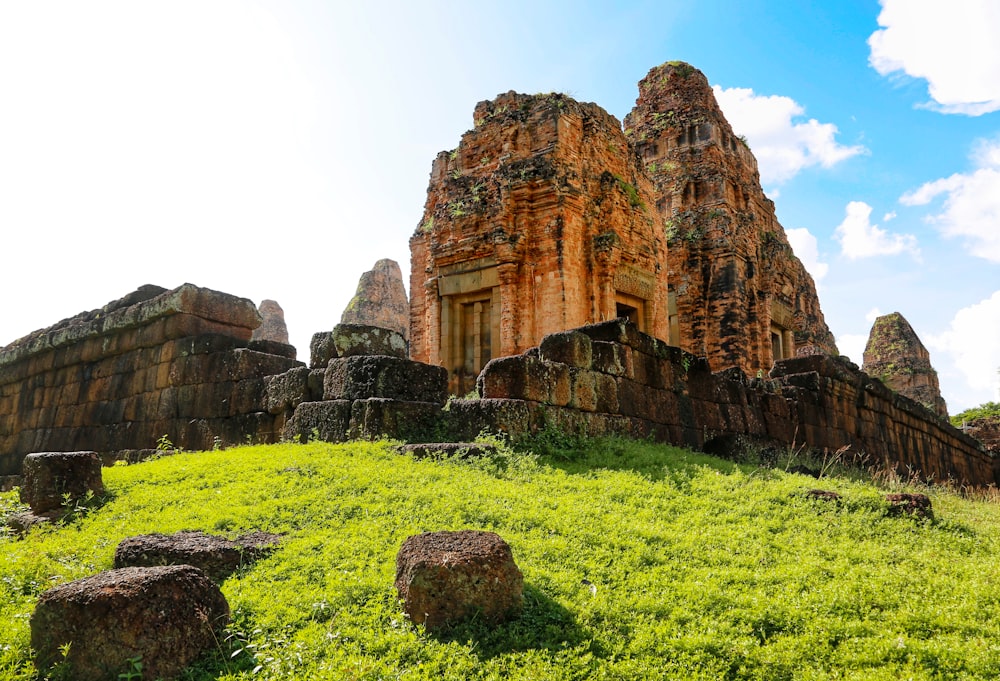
pixel 985 410
pixel 640 561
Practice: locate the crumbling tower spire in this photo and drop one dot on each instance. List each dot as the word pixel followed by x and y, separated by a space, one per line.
pixel 895 355
pixel 738 295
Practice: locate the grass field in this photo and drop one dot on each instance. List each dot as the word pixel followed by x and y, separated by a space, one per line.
pixel 640 561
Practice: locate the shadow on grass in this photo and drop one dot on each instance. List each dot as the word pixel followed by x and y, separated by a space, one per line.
pixel 543 625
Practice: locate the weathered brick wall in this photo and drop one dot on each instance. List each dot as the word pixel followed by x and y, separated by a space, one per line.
pixel 609 378
pixel 178 363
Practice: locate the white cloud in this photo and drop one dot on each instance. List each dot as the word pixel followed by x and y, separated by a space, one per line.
pixel 891 215
pixel 782 145
pixel 951 45
pixel 872 315
pixel 853 345
pixel 859 238
pixel 805 247
pixel 972 344
pixel 972 202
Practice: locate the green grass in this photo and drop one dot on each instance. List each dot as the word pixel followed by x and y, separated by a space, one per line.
pixel 701 569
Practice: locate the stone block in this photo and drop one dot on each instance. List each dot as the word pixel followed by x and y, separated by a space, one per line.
pixel 445 577
pixel 567 347
pixel 329 421
pixel 466 419
pixel 288 390
pixel 321 350
pixel 376 418
pixel 583 390
pixel 611 358
pixel 448 450
pixel 50 478
pixel 363 377
pixel 216 556
pixel 352 340
pixel 168 616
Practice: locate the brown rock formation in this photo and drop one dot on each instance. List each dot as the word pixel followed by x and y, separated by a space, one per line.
pixel 738 295
pixel 272 323
pixel 541 220
pixel 895 356
pixel 380 300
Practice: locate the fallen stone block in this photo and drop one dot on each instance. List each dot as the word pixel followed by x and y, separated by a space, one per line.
pixel 916 505
pixel 53 478
pixel 216 556
pixel 445 577
pixel 167 616
pixel 446 450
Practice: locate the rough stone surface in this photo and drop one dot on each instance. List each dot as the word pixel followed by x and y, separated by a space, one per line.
pixel 52 478
pixel 321 350
pixel 216 556
pixel 351 340
pixel 362 377
pixel 734 281
pixel 177 363
pixel 380 300
pixel 444 577
pixel 539 221
pixel 916 505
pixel 895 356
pixel 272 325
pixel 169 616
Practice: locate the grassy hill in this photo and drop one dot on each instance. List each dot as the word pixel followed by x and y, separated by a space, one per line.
pixel 640 561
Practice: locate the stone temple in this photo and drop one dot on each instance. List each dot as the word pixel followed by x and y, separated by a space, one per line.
pixel 550 215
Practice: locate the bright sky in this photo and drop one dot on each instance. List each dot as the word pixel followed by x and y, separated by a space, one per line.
pixel 278 149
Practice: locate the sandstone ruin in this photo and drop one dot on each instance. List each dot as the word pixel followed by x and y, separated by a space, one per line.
pixel 177 365
pixel 738 295
pixel 548 215
pixel 380 300
pixel 895 356
pixel 540 220
pixel 652 242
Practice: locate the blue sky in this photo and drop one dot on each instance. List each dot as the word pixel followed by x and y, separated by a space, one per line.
pixel 278 149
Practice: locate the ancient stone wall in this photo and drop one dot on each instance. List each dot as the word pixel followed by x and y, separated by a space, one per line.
pixel 156 363
pixel 738 295
pixel 610 379
pixel 540 220
pixel 895 355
